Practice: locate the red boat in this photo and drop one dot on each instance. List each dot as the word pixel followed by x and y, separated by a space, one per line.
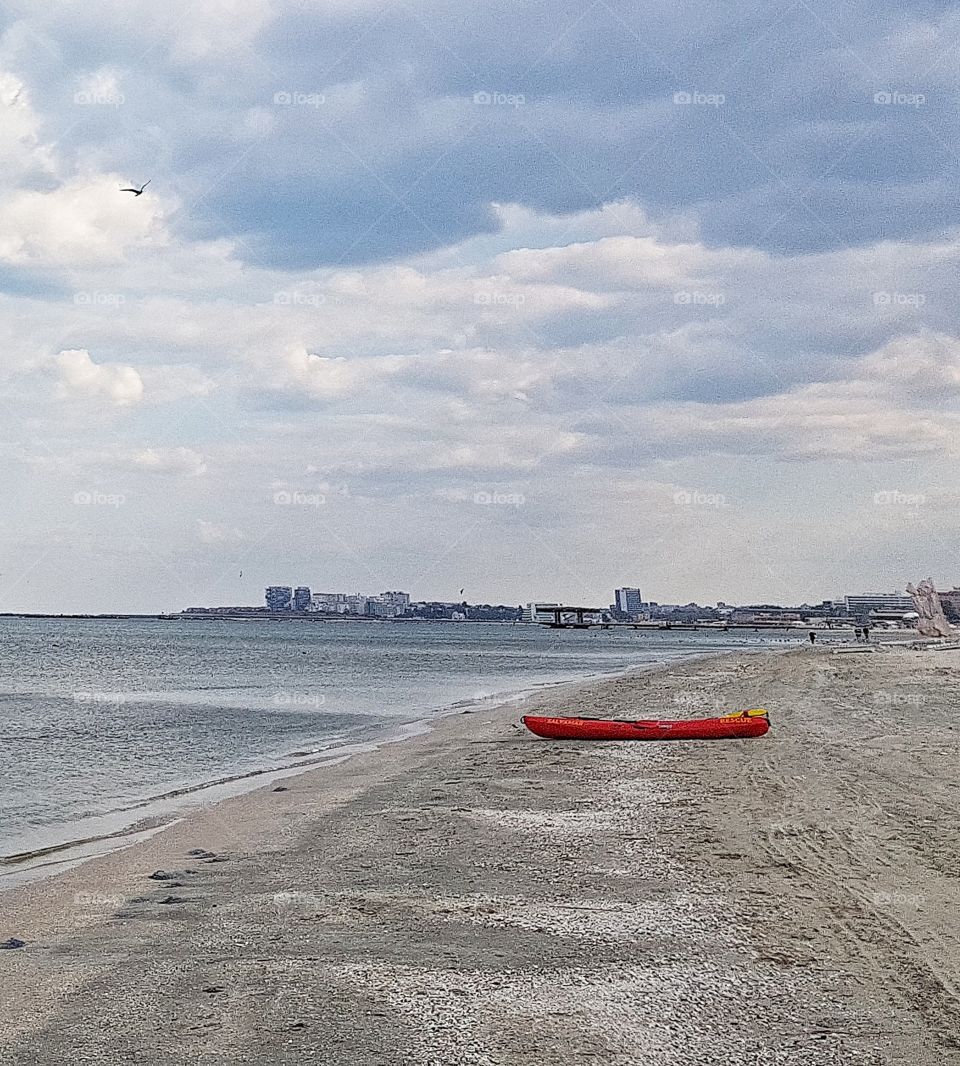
pixel 752 723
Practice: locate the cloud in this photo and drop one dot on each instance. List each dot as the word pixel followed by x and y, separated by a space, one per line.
pixel 351 141
pixel 85 221
pixel 924 367
pixel 81 377
pixel 23 155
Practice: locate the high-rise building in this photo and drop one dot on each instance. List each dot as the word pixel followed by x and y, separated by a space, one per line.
pixel 279 597
pixel 301 598
pixel 398 599
pixel 628 601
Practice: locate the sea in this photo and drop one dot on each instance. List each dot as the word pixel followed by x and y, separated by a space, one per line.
pixel 109 729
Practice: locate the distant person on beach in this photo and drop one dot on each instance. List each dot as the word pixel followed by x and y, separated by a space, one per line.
pixel 866 634
pixel 813 637
pixel 856 635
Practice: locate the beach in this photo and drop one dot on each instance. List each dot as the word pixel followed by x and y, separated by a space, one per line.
pixel 479 896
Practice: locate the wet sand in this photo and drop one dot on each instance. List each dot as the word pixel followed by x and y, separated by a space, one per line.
pixel 478 896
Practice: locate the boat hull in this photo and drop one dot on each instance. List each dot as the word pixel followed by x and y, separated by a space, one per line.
pixel 730 727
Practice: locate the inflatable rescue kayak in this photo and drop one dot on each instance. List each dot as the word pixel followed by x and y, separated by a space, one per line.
pixel 752 723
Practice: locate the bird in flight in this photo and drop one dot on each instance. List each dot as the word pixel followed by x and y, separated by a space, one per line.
pixel 138 192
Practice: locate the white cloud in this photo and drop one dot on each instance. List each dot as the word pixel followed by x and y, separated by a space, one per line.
pixel 80 376
pixel 623 262
pixel 86 221
pixel 22 152
pixel 926 365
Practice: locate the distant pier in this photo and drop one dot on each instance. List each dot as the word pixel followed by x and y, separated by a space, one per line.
pixel 592 618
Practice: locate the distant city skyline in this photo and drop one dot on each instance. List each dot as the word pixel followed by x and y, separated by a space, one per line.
pixel 627 601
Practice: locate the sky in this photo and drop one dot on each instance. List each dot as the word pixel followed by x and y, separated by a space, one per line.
pixel 534 300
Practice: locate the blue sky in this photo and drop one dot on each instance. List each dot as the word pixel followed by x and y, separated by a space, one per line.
pixel 677 285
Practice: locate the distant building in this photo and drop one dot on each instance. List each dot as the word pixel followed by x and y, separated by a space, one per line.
pixel 377 607
pixel 628 601
pixel 764 612
pixel 950 601
pixel 352 604
pixel 886 602
pixel 279 597
pixel 540 612
pixel 397 599
pixel 301 598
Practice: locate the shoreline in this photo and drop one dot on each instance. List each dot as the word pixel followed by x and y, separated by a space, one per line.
pixel 163 810
pixel 479 896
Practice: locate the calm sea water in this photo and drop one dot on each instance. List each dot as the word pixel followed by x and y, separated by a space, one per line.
pixel 105 722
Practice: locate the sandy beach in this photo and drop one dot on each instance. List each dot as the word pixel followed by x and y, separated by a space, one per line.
pixel 478 896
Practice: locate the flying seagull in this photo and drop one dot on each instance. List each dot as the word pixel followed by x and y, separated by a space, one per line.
pixel 138 192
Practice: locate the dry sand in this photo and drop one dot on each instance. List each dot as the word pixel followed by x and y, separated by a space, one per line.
pixel 478 896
